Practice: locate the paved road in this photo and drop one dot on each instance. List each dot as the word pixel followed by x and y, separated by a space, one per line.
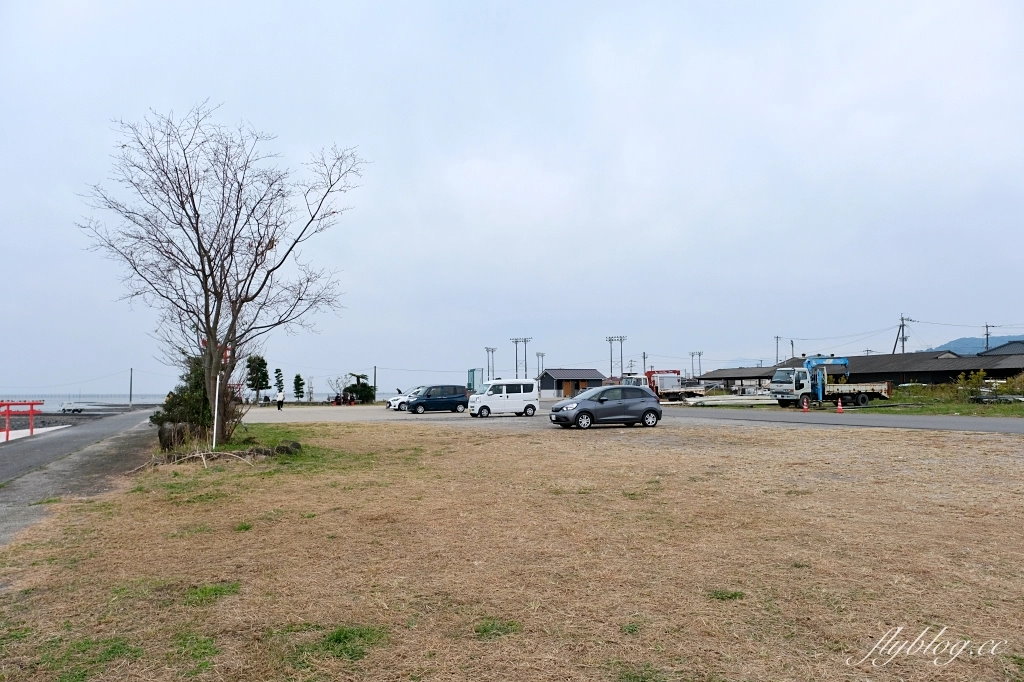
pixel 673 415
pixel 76 461
pixel 18 457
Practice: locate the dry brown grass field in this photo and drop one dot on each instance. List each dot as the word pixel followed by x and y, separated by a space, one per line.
pixel 425 552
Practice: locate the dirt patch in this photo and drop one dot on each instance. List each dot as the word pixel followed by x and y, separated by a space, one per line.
pixel 386 551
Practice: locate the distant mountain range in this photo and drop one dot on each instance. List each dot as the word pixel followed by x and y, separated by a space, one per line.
pixel 972 345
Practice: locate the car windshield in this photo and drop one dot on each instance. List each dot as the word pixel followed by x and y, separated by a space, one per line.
pixel 783 376
pixel 417 391
pixel 589 394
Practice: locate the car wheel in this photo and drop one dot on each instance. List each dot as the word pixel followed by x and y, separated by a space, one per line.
pixel 650 418
pixel 460 408
pixel 584 420
pixel 402 407
pixel 419 409
pixel 530 411
pixel 484 411
pixel 862 399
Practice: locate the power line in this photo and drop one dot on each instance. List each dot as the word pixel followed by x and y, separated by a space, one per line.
pixel 845 336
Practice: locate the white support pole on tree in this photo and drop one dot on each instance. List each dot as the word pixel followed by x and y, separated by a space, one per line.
pixel 216 409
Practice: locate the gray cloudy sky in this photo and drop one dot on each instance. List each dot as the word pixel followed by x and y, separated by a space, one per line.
pixel 693 175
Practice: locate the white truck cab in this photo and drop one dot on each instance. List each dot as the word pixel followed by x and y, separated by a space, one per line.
pixel 506 396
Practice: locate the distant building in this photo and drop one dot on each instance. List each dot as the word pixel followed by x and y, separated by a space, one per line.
pixel 1011 348
pixel 565 383
pixel 927 367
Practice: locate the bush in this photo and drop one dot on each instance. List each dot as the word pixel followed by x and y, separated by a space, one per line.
pixel 364 393
pixel 187 403
pixel 970 386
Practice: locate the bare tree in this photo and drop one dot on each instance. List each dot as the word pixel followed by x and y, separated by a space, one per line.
pixel 210 231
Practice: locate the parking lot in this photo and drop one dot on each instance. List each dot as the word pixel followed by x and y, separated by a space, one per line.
pixel 673 415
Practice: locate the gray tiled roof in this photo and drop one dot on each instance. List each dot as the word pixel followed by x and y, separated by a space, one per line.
pixel 927 361
pixel 1010 348
pixel 574 374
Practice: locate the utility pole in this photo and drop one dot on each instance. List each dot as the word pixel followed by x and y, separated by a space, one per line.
pixel 643 365
pixel 901 335
pixel 692 354
pixel 521 340
pixel 611 367
pixel 490 361
pixel 540 363
pixel 777 339
pixel 987 334
pixel 699 369
pixel 868 351
pixel 131 381
pixel 792 349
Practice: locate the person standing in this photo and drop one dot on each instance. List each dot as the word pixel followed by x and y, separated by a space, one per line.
pixel 280 399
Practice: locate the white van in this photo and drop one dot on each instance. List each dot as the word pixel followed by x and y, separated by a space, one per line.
pixel 506 396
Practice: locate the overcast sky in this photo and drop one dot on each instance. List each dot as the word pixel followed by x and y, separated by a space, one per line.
pixel 692 175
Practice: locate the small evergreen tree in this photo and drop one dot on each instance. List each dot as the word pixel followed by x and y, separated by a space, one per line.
pixel 300 387
pixel 188 402
pixel 257 378
pixel 279 380
pixel 364 393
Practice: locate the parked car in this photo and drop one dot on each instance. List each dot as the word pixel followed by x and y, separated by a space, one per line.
pixel 608 405
pixel 438 398
pixel 400 401
pixel 505 396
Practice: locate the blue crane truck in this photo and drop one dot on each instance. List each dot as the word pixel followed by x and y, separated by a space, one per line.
pixel 801 386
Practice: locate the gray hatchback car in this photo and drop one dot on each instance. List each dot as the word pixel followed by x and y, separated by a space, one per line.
pixel 608 405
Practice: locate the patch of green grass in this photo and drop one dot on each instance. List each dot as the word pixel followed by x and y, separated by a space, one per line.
pixel 308 515
pixel 78 659
pixel 725 595
pixel 310 459
pixel 492 628
pixel 243 526
pixel 633 495
pixel 638 673
pixel 47 500
pixel 11 632
pixel 3 484
pixel 1018 661
pixel 630 628
pixel 198 650
pixel 349 642
pixel 203 595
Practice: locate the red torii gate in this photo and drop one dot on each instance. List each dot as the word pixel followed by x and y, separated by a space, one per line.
pixel 31 412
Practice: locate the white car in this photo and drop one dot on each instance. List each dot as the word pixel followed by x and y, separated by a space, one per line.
pixel 401 401
pixel 509 396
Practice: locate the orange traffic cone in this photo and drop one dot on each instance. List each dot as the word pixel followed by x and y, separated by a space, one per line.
pixel 839 406
pixel 805 404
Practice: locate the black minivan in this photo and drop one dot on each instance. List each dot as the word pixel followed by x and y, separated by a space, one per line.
pixel 437 398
